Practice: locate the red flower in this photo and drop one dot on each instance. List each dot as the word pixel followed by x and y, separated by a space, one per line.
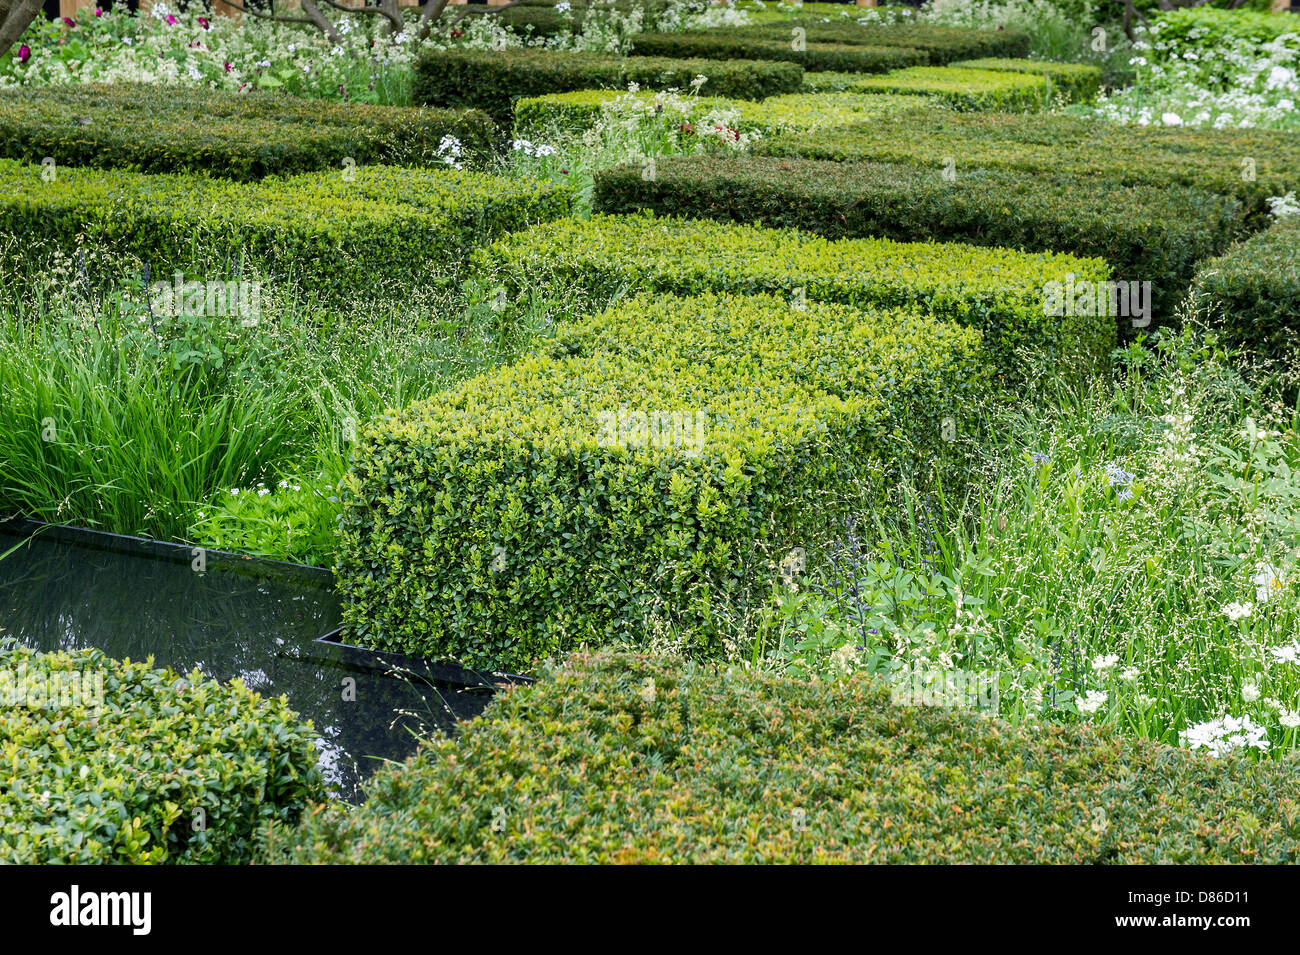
pixel 24 53
pixel 456 34
pixel 686 128
pixel 203 22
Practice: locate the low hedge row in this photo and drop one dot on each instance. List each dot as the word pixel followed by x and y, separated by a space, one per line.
pixel 1145 233
pixel 1252 164
pixel 1078 82
pixel 957 88
pixel 942 44
pixel 615 758
pixel 491 80
pixel 1252 292
pixel 381 231
pixel 712 45
pixel 116 762
pixel 998 291
pixel 638 480
pixel 538 116
pixel 242 136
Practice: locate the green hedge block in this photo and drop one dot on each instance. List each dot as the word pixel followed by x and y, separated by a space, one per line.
pixel 1146 234
pixel 998 291
pixel 112 762
pixel 1252 292
pixel 942 44
pixel 1252 164
pixel 960 89
pixel 616 758
pixel 241 136
pixel 711 45
pixel 373 230
pixel 1077 82
pixel 492 80
pixel 540 116
pixel 639 478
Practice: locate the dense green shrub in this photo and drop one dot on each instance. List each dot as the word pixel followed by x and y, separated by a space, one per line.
pixel 1145 233
pixel 1078 82
pixel 538 116
pixel 378 229
pixel 960 89
pixel 1252 292
pixel 998 291
pixel 718 45
pixel 1251 163
pixel 492 80
pixel 1211 30
pixel 942 44
pixel 236 135
pixel 540 505
pixel 637 759
pixel 105 761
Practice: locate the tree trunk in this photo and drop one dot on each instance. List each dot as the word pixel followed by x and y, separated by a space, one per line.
pixel 15 17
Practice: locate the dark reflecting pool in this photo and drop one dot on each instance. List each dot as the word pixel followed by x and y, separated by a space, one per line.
pixel 229 616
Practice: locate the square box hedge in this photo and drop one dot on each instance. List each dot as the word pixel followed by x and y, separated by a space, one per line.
pixel 998 291
pixel 380 232
pixel 516 515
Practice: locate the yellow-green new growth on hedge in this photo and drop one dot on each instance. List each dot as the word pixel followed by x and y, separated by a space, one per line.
pixel 999 291
pixel 635 484
pixel 961 89
pixel 1078 82
pixel 365 231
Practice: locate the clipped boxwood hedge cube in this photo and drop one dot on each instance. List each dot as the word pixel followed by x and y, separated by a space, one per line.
pixel 117 762
pixel 638 480
pixel 717 45
pixel 999 291
pixel 1252 164
pixel 377 230
pixel 616 758
pixel 1145 233
pixel 942 44
pixel 1077 82
pixel 959 89
pixel 242 136
pixel 491 80
pixel 1252 292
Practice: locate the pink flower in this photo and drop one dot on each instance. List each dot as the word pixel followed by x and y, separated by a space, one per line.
pixel 203 22
pixel 171 20
pixel 24 53
pixel 98 12
pixel 227 66
pixel 69 21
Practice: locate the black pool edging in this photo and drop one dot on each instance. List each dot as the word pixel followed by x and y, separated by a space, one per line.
pixel 382 662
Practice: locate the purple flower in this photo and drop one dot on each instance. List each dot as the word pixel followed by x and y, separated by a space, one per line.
pixel 203 22
pixel 171 20
pixel 227 66
pixel 69 21
pixel 24 53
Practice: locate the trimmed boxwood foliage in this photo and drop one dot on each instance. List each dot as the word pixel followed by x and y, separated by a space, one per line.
pixel 539 115
pixel 617 758
pixel 716 45
pixel 942 44
pixel 163 769
pixel 492 80
pixel 384 231
pixel 1250 163
pixel 998 291
pixel 1252 292
pixel 960 89
pixel 1145 233
pixel 1079 82
pixel 240 136
pixel 508 519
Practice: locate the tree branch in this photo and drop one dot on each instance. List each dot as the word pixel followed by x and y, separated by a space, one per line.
pixel 17 17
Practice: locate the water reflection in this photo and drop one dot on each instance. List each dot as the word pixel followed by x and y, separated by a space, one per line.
pixel 256 620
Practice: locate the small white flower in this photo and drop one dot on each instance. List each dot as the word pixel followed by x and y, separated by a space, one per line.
pixel 1128 674
pixel 1238 611
pixel 1104 663
pixel 1267 582
pixel 1171 119
pixel 1289 654
pixel 1092 701
pixel 1250 692
pixel 562 6
pixel 234 492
